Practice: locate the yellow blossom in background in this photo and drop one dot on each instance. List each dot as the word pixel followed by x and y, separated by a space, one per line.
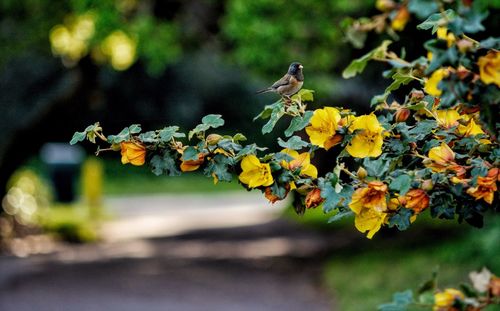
pixel 302 161
pixel 322 131
pixel 486 186
pixel 443 301
pixel 133 153
pixel 71 39
pixel 431 85
pixel 401 19
pixel 447 118
pixel 369 205
pixel 120 50
pixel 489 68
pixel 440 158
pixel 443 34
pixel 368 140
pixel 254 173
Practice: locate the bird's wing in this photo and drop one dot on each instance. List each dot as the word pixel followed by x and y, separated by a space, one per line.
pixel 283 81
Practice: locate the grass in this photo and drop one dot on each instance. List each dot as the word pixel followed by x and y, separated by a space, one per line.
pixel 361 279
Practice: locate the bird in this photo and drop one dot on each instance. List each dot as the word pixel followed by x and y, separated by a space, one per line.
pixel 289 84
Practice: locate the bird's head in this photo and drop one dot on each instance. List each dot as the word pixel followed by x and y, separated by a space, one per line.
pixel 295 68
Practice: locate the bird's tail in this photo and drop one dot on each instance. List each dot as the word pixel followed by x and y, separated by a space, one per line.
pixel 269 89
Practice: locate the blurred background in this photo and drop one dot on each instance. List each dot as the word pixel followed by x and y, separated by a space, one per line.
pixel 84 233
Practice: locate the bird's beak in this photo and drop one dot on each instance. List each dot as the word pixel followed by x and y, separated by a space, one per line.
pixel 300 66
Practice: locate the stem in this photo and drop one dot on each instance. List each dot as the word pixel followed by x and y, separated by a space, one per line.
pixel 102 137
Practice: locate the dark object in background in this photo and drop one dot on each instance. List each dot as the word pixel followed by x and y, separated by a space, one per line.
pixel 63 162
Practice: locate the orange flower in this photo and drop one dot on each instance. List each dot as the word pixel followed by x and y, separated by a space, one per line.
pixel 486 186
pixel 495 286
pixel 192 165
pixel 417 200
pixel 401 19
pixel 313 198
pixel 133 153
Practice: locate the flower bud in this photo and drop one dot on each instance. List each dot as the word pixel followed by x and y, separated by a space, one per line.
pixel 213 139
pixel 427 184
pixel 361 173
pixel 402 114
pixel 385 5
pixel 417 95
pixel 464 45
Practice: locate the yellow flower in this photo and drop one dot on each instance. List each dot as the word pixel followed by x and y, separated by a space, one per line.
pixel 431 85
pixel 120 50
pixel 302 161
pixel 401 19
pixel 440 158
pixel 369 205
pixel 254 173
pixel 489 68
pixel 443 34
pixel 447 118
pixel 133 153
pixel 367 142
pixel 471 129
pixel 369 220
pixel 324 123
pixel 443 301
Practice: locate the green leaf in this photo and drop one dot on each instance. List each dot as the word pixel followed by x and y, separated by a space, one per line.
pixel 305 95
pixel 124 135
pixel 78 137
pixel 358 65
pixel 219 166
pixel 328 192
pixel 169 132
pixel 401 219
pixel 423 8
pixel 277 112
pixel 339 215
pixel 294 143
pixel 436 20
pixel 134 129
pixel 400 78
pixel 207 122
pixel 442 205
pixel 164 164
pixel 376 167
pixel 247 150
pixel 402 184
pixel 190 153
pixel 400 302
pixel 213 120
pixel 239 137
pixel 148 137
pixel 298 123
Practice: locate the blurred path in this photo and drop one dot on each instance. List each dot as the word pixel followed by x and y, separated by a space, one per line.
pixel 190 257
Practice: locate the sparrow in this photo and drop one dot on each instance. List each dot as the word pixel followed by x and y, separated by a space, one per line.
pixel 289 84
